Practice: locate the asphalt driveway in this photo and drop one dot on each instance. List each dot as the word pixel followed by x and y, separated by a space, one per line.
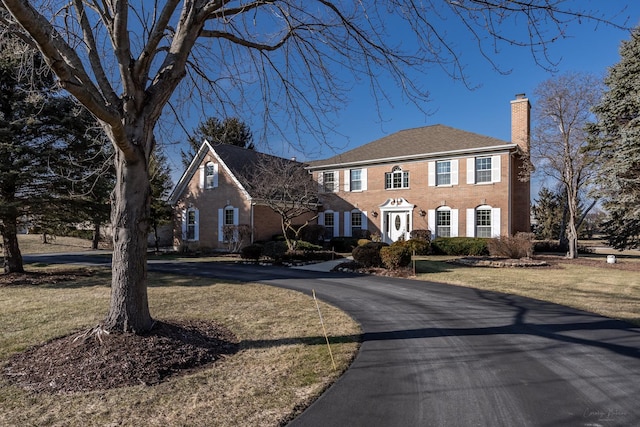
pixel 441 355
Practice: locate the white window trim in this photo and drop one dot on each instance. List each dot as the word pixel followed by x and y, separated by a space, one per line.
pixel 196 231
pixel 495 221
pixel 496 170
pixel 454 170
pixel 203 175
pixel 221 218
pixel 433 225
pixel 336 221
pixel 336 181
pixel 363 180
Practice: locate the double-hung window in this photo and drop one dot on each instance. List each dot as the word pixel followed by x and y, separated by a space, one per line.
pixel 356 223
pixel 443 223
pixel 443 172
pixel 483 169
pixel 356 180
pixel 397 178
pixel 329 224
pixel 483 222
pixel 329 182
pixel 191 225
pixel 209 177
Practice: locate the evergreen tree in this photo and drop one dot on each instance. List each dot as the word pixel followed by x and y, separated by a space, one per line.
pixel 616 138
pixel 548 211
pixel 160 178
pixel 37 128
pixel 228 131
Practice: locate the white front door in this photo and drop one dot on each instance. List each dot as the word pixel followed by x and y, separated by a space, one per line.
pixel 396 219
pixel 398 225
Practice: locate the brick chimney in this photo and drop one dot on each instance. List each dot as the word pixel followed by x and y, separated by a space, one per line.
pixel 520 122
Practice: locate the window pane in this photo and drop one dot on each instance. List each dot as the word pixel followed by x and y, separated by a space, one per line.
pixel 356 179
pixel 483 223
pixel 228 216
pixel 329 182
pixel 328 225
pixel 483 169
pixel 191 225
pixel 209 173
pixel 443 173
pixel 387 180
pixel 443 223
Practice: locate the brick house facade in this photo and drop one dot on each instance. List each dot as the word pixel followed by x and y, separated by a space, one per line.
pixel 210 195
pixel 446 180
pixel 451 182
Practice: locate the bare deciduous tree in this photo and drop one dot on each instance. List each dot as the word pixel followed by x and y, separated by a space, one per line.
pixel 288 189
pixel 125 62
pixel 562 111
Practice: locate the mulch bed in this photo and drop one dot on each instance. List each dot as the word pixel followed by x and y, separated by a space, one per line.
pixel 30 278
pixel 89 361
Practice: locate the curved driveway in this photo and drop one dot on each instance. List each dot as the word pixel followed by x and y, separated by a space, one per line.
pixel 441 355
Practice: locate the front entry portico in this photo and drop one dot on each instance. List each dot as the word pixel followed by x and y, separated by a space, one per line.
pixel 397 219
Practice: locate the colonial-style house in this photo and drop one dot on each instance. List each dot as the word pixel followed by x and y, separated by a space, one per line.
pixel 446 180
pixel 451 182
pixel 210 195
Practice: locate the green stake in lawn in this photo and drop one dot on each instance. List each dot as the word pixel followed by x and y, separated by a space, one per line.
pixel 324 331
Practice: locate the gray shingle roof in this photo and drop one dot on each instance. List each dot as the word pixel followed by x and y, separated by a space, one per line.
pixel 417 142
pixel 241 161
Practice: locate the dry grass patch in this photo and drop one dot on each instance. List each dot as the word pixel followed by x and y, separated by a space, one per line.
pixel 588 284
pixel 32 244
pixel 282 365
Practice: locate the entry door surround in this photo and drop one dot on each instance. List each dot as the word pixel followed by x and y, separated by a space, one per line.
pixel 397 219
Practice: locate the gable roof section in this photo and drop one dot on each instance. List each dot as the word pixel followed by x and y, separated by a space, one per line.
pixel 237 161
pixel 424 142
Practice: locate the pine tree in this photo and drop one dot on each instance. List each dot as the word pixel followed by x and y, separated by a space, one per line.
pixel 38 127
pixel 228 131
pixel 548 210
pixel 616 138
pixel 161 211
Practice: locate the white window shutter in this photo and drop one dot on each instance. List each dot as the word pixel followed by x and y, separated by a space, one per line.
pixel 336 224
pixel 184 224
pixel 320 218
pixel 363 176
pixel 453 230
pixel 495 222
pixel 220 224
pixel 215 175
pixel 431 222
pixel 196 233
pixel 236 216
pixel 454 171
pixel 347 224
pixel 496 170
pixel 365 220
pixel 431 166
pixel 320 182
pixel 336 181
pixel 471 170
pixel 347 180
pixel 202 173
pixel 471 222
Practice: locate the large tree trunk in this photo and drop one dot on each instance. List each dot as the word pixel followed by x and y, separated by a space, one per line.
pixel 129 308
pixel 12 256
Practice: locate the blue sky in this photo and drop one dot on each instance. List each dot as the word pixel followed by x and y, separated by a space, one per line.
pixel 485 109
